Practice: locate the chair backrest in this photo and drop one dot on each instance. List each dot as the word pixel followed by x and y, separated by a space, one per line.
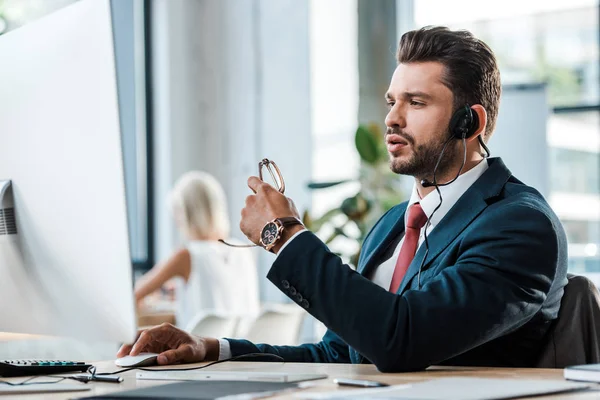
pixel 277 324
pixel 574 337
pixel 212 324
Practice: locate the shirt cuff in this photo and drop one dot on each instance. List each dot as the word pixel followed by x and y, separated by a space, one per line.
pixel 289 241
pixel 224 349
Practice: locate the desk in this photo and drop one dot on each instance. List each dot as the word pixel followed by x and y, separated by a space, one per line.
pixel 7 337
pixel 155 310
pixel 333 370
pixel 149 318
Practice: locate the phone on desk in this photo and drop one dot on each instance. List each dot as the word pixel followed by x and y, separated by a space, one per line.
pixel 359 383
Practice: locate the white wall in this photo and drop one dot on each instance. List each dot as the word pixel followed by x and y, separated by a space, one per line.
pixel 520 135
pixel 334 91
pixel 230 86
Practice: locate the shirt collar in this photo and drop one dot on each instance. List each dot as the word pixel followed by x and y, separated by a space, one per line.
pixel 450 194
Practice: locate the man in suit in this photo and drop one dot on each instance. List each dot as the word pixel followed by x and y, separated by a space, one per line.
pixel 469 271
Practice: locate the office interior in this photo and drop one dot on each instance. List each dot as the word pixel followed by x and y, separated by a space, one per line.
pixel 218 85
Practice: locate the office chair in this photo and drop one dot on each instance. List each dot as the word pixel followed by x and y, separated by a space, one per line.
pixel 212 324
pixel 278 324
pixel 574 337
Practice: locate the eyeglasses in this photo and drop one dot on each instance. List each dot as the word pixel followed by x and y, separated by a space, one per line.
pixel 270 166
pixel 278 182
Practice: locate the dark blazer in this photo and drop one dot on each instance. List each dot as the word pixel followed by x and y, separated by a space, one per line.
pixel 489 289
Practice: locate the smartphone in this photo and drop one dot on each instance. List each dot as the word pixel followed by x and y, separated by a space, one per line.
pixel 358 383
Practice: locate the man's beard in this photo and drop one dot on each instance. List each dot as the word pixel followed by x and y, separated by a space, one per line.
pixel 424 157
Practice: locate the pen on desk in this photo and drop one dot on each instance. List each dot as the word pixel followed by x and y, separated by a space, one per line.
pixel 104 378
pixel 358 383
pixel 97 378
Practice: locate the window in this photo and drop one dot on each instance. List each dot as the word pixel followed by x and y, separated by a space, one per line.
pixel 574 171
pixel 334 102
pixel 555 42
pixel 129 18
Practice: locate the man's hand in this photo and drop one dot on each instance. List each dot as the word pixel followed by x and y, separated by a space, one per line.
pixel 264 206
pixel 173 344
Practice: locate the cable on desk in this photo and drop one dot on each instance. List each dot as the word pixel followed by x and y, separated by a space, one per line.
pixel 29 381
pixel 266 356
pixel 92 370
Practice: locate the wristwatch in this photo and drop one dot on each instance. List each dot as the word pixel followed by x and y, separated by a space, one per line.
pixel 272 231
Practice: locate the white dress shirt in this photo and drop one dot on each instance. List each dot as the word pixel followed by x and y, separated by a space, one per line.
pixel 383 274
pixel 450 195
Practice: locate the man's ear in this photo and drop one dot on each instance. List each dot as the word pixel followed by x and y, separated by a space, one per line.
pixel 482 115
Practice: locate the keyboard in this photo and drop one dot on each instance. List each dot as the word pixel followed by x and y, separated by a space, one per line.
pixel 39 367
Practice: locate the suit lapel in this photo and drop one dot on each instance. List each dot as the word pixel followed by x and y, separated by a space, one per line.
pixel 384 233
pixel 466 209
pixel 457 219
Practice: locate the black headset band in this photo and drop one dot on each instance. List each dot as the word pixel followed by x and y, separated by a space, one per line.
pixel 464 122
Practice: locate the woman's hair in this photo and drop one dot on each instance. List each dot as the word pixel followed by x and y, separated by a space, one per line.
pixel 199 200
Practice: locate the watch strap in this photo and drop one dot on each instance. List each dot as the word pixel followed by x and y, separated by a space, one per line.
pixel 289 221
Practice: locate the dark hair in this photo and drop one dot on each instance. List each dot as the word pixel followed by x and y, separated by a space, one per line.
pixel 471 71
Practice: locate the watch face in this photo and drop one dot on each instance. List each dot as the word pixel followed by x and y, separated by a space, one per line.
pixel 269 233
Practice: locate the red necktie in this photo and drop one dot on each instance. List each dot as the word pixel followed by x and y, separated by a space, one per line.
pixel 415 221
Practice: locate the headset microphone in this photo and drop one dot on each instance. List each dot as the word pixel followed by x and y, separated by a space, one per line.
pixel 463 124
pixel 425 183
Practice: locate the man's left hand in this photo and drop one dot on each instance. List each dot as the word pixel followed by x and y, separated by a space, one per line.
pixel 264 206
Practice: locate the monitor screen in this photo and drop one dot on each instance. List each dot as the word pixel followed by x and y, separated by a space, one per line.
pixel 65 267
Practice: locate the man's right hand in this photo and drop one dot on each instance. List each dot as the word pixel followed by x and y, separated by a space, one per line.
pixel 173 345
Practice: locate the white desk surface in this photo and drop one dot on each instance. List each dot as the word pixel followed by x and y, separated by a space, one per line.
pixel 333 370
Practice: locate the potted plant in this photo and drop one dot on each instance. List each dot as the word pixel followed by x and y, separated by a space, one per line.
pixel 379 190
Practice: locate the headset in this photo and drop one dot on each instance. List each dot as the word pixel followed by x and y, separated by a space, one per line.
pixel 463 124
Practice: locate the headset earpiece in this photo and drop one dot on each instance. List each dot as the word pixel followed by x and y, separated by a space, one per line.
pixel 464 123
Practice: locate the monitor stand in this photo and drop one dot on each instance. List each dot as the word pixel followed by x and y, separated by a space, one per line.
pixel 8 225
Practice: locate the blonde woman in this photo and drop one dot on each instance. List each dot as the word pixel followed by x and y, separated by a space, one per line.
pixel 213 276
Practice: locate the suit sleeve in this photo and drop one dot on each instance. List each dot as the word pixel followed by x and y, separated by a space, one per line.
pixel 330 350
pixel 501 277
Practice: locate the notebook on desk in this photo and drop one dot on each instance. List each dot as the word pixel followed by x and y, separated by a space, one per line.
pixel 251 376
pixel 585 373
pixel 42 388
pixel 455 389
pixel 200 390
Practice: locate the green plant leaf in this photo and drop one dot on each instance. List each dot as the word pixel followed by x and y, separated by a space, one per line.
pixel 356 207
pixel 340 231
pixel 350 206
pixel 324 185
pixel 319 222
pixel 331 237
pixel 307 221
pixel 366 145
pixel 337 231
pixel 390 200
pixel 354 259
pixel 379 190
pixel 377 134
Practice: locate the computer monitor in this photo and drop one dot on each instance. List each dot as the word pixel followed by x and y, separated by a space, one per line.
pixel 65 266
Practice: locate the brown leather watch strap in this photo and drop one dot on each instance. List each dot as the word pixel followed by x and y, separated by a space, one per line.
pixel 289 221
